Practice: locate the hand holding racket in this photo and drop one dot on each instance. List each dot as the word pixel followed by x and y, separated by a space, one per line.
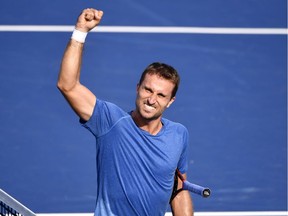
pixel 186 185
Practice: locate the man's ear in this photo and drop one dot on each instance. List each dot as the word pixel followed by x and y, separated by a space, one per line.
pixel 170 102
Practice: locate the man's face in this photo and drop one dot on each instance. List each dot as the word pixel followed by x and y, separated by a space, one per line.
pixel 153 96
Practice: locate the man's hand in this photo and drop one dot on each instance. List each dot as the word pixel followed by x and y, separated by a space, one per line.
pixel 88 19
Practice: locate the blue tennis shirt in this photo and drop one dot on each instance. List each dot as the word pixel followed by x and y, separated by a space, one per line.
pixel 135 170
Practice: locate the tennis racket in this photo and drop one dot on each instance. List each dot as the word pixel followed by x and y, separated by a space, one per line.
pixel 186 185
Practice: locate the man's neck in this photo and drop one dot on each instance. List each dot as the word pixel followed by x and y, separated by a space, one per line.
pixel 152 126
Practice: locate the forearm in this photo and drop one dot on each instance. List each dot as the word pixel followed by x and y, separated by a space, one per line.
pixel 69 74
pixel 182 204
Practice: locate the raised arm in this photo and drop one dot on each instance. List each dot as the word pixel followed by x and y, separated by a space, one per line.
pixel 182 203
pixel 80 98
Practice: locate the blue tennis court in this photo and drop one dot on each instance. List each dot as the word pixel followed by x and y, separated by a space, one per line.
pixel 232 97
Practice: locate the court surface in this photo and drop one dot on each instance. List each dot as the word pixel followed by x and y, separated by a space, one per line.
pixel 232 98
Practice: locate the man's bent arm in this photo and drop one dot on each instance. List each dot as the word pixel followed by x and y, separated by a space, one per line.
pixel 79 97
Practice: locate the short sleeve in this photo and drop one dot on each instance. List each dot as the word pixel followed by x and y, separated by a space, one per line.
pixel 183 162
pixel 104 116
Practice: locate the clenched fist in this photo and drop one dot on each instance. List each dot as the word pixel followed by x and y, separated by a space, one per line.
pixel 88 19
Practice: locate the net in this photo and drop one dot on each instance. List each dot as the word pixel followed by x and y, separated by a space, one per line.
pixel 10 206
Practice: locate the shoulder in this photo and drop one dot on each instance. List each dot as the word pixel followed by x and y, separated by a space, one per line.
pixel 104 116
pixel 176 126
pixel 108 107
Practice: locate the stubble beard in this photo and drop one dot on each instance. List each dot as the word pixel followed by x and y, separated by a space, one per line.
pixel 147 116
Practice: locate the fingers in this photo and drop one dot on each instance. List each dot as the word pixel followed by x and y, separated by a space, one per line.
pixel 91 14
pixel 98 14
pixel 88 19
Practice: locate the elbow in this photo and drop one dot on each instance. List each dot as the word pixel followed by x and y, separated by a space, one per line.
pixel 64 87
pixel 60 86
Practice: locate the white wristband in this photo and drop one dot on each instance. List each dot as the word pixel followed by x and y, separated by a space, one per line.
pixel 79 36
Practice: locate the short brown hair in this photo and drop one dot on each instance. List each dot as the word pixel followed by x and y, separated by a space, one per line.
pixel 165 71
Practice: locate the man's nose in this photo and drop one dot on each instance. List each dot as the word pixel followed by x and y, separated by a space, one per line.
pixel 152 99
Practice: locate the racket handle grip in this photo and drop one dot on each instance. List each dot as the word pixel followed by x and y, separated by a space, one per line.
pixel 205 192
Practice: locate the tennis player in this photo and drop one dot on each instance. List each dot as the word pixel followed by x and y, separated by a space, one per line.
pixel 137 152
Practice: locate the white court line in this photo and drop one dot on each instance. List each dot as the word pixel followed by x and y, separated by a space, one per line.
pixel 269 213
pixel 146 29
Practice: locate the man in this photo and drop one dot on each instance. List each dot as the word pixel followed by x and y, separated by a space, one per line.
pixel 137 152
